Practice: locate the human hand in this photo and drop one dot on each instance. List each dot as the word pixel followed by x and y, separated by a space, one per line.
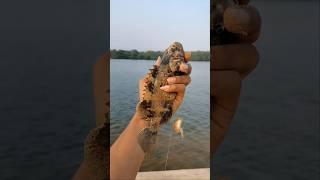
pixel 176 84
pixel 161 93
pixel 231 63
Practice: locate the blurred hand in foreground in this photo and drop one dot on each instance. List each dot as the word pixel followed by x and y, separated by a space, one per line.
pixel 231 63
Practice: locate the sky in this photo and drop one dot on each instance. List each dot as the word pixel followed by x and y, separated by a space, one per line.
pixel 155 24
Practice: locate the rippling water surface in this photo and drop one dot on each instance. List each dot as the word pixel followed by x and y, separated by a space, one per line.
pixel 190 152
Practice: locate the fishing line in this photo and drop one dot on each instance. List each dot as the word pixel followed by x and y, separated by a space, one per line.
pixel 169 144
pixel 177 127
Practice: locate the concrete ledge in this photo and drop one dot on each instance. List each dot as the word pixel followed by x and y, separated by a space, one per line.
pixel 191 174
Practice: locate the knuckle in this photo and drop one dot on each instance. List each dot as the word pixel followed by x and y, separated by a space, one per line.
pixel 183 79
pixel 178 79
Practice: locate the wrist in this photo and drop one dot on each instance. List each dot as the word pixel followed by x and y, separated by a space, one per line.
pixel 137 123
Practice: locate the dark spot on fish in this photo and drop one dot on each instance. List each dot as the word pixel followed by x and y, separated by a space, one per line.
pixel 169 72
pixel 179 73
pixel 146 104
pixel 177 66
pixel 150 86
pixel 165 59
pixel 163 84
pixel 150 113
pixel 154 72
pixel 177 55
pixel 166 115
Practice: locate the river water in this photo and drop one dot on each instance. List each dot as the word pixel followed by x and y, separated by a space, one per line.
pixel 190 152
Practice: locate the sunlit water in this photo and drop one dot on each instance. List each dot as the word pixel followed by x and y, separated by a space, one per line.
pixel 190 152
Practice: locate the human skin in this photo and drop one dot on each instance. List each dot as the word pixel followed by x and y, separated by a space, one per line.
pixel 231 64
pixel 126 154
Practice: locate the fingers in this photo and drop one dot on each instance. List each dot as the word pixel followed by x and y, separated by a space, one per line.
pixel 220 124
pixel 242 58
pixel 226 89
pixel 244 21
pixel 187 56
pixel 179 80
pixel 185 67
pixel 225 93
pixel 177 88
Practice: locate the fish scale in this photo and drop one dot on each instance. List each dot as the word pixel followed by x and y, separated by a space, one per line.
pixel 156 106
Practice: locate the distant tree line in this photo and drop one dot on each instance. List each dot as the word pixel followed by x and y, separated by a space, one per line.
pixel 153 55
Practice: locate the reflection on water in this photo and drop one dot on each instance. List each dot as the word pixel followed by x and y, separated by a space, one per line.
pixel 190 152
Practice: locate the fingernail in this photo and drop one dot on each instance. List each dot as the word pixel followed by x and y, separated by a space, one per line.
pixel 164 88
pixel 171 79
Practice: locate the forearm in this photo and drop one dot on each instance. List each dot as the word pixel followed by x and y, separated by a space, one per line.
pixel 226 93
pixel 221 122
pixel 83 173
pixel 126 154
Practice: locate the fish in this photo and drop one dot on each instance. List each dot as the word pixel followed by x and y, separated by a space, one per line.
pixel 156 106
pixel 177 126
